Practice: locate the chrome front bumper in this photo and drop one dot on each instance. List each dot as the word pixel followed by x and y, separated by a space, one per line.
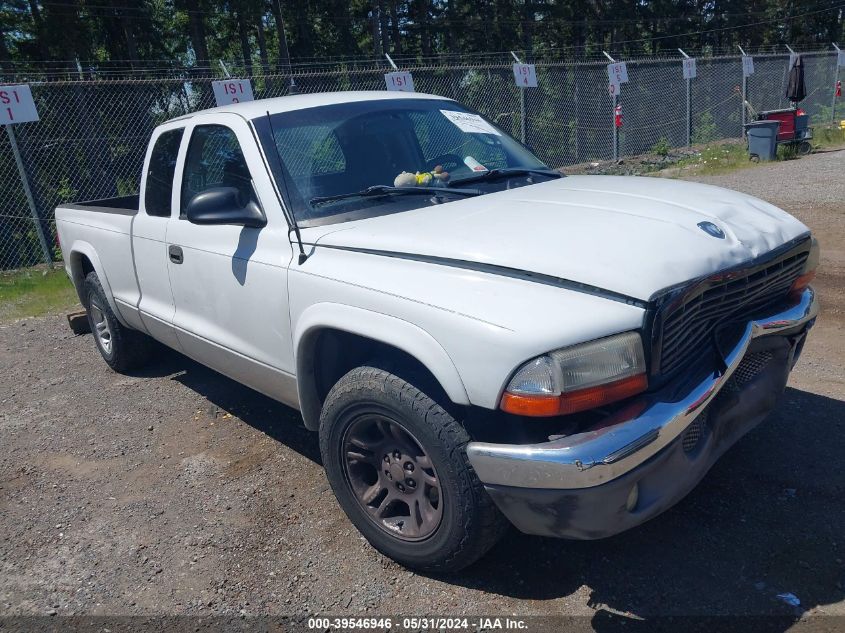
pixel 596 457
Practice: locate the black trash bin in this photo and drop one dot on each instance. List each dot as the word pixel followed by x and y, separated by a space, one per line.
pixel 762 139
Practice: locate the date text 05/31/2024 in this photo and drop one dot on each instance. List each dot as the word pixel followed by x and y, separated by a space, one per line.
pixel 417 623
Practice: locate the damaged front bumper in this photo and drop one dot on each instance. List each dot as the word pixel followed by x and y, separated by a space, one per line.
pixel 606 480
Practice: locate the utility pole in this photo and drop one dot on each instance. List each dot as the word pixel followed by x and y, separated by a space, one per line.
pixel 283 46
pixel 374 28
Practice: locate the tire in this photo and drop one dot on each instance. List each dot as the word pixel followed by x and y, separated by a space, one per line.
pixel 122 348
pixel 469 523
pixel 805 148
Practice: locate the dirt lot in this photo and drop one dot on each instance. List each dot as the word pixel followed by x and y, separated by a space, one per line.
pixel 177 491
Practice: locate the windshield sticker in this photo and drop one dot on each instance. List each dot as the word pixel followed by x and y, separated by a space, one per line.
pixel 471 123
pixel 473 164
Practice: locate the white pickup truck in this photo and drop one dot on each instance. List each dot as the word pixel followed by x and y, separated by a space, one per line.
pixel 476 338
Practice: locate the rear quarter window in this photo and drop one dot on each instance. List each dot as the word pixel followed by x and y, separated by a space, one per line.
pixel 159 188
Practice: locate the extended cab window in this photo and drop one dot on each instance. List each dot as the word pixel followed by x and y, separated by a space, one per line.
pixel 215 159
pixel 159 189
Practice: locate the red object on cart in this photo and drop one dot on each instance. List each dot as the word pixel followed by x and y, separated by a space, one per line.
pixel 786 118
pixel 793 127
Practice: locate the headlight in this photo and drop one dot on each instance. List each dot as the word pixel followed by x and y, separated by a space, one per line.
pixel 578 378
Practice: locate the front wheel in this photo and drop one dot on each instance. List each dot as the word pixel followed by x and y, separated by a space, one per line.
pixel 397 463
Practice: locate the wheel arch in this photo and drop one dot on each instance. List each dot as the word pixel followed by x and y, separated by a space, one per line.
pixel 324 327
pixel 83 260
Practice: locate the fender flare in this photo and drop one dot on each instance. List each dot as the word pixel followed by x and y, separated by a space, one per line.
pixel 379 327
pixel 81 247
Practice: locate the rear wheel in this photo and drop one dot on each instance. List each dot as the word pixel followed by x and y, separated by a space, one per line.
pixel 397 463
pixel 805 147
pixel 122 348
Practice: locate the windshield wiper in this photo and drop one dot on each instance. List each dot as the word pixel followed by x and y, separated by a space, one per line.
pixel 506 172
pixel 387 190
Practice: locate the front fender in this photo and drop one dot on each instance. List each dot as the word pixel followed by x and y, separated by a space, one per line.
pixel 390 330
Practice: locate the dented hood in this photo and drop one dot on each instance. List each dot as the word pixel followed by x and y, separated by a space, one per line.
pixel 630 235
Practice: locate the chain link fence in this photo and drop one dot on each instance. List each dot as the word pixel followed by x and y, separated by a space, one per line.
pixel 91 137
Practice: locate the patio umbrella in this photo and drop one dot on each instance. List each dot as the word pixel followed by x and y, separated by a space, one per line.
pixel 795 89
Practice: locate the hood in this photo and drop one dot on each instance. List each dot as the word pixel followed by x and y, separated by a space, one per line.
pixel 634 236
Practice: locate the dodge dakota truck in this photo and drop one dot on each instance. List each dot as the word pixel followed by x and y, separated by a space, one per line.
pixel 477 339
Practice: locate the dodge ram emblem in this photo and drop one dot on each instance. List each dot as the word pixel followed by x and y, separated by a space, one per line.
pixel 712 230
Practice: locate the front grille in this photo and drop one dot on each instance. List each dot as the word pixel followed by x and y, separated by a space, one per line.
pixel 748 368
pixel 691 322
pixel 694 433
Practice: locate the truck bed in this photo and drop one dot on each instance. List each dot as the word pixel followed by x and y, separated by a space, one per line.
pixel 123 205
pixel 101 230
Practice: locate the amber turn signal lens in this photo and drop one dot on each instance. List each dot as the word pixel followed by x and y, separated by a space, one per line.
pixel 535 406
pixel 574 401
pixel 593 397
pixel 800 284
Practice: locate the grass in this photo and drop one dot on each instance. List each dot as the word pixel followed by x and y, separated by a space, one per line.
pixel 715 159
pixel 828 136
pixel 35 292
pixel 720 158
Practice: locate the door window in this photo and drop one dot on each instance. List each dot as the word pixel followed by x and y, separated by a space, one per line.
pixel 159 189
pixel 215 159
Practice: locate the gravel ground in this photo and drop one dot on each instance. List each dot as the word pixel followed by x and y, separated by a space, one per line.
pixel 177 491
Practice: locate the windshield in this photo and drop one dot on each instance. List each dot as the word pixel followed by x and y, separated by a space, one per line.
pixel 346 161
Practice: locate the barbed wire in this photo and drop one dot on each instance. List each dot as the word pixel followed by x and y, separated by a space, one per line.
pixel 63 72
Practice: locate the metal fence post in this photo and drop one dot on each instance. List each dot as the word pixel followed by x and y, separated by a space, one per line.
pixel 48 258
pixel 689 103
pixel 615 129
pixel 689 112
pixel 522 114
pixel 743 105
pixel 835 81
pixel 521 105
pixel 613 105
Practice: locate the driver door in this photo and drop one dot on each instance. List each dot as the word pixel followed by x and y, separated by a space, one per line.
pixel 229 281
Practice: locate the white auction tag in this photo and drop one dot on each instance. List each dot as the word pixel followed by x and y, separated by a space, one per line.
pixel 689 68
pixel 525 75
pixel 399 80
pixel 468 122
pixel 17 105
pixel 618 73
pixel 232 91
pixel 747 65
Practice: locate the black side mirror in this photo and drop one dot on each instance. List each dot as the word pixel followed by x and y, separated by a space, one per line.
pixel 224 205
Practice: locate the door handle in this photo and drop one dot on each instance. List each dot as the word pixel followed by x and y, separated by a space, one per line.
pixel 175 253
